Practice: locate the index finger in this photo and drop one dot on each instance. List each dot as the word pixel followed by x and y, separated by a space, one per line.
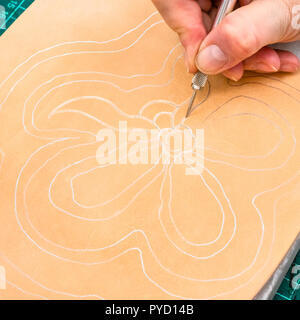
pixel 185 18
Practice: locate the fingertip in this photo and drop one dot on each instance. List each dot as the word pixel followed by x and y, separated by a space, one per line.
pixel 189 59
pixel 205 4
pixel 245 2
pixel 191 40
pixel 288 61
pixel 235 73
pixel 288 67
pixel 265 60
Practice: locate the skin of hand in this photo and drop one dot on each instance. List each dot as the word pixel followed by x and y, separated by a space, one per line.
pixel 240 42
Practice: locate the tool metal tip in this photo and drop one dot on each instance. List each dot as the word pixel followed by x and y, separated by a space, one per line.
pixel 189 110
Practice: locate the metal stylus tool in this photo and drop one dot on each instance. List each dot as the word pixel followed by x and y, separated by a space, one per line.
pixel 200 79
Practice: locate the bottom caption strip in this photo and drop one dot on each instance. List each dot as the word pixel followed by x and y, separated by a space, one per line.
pixel 150 309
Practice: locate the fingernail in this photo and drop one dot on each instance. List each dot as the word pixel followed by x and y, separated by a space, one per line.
pixel 231 77
pixel 274 68
pixel 289 67
pixel 263 67
pixel 211 59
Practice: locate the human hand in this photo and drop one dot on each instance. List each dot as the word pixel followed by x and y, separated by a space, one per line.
pixel 240 42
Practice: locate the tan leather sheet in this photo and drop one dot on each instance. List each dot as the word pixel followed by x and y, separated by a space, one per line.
pixel 73 229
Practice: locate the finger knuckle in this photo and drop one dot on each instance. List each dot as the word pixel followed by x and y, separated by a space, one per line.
pixel 242 43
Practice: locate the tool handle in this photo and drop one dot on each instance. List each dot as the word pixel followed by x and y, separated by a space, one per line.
pixel 226 7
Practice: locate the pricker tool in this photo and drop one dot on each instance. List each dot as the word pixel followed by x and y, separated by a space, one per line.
pixel 200 79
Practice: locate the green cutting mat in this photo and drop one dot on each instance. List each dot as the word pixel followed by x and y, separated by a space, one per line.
pixel 10 11
pixel 290 286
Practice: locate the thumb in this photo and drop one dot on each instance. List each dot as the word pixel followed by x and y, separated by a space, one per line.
pixel 245 31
